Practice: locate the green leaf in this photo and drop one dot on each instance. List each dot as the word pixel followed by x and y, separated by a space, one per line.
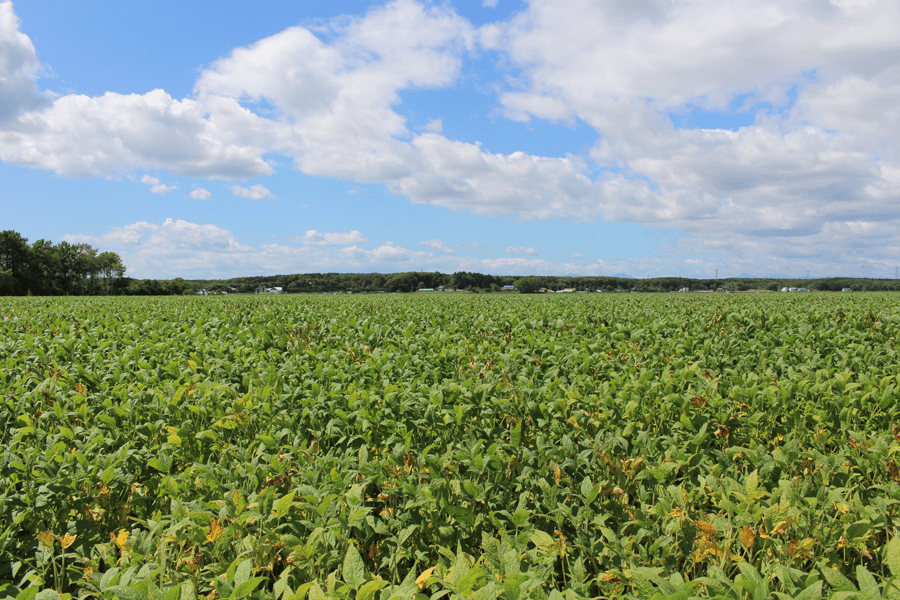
pixel 284 504
pixel 28 593
pixel 463 515
pixel 301 591
pixel 174 593
pixel 367 592
pixel 467 583
pixel 520 517
pixel 866 580
pixel 515 437
pixel 119 591
pixel 242 573
pixel 813 592
pixel 586 486
pixel 108 475
pixel 109 579
pixel 858 530
pixel 187 591
pixel 892 555
pixel 315 591
pixel 751 484
pixel 354 570
pixel 158 465
pixel 837 581
pixel 542 540
pixel 242 590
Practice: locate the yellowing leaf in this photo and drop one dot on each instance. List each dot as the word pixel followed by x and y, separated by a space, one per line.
pixel 67 540
pixel 46 538
pixel 121 539
pixel 747 536
pixel 557 474
pixel 215 530
pixel 422 579
pixel 781 527
pixel 706 528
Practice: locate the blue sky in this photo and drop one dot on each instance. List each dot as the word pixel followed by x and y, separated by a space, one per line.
pixel 202 139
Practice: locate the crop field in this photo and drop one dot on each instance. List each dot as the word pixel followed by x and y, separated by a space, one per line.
pixel 389 447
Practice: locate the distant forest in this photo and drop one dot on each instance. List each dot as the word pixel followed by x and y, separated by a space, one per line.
pixel 47 269
pixel 479 283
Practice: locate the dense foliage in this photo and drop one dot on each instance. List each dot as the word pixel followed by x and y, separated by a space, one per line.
pixel 47 269
pixel 477 282
pixel 511 446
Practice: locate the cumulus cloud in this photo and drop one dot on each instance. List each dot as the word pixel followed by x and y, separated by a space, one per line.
pixel 201 194
pixel 520 250
pixel 314 238
pixel 471 246
pixel 254 192
pixel 174 248
pixel 819 155
pixel 817 167
pixel 178 248
pixel 79 136
pixel 19 68
pixel 437 245
pixel 155 186
pixel 576 255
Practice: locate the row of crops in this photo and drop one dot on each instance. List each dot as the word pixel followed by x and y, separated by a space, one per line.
pixel 379 448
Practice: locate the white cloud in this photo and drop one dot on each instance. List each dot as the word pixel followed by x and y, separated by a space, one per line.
pixel 336 98
pixel 434 126
pixel 254 192
pixel 178 248
pixel 805 167
pixel 201 194
pixel 437 245
pixel 576 255
pixel 819 81
pixel 155 186
pixel 174 248
pixel 19 68
pixel 80 136
pixel 478 246
pixel 489 3
pixel 314 238
pixel 520 250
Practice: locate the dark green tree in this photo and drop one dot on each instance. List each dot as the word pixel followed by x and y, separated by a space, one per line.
pixel 528 285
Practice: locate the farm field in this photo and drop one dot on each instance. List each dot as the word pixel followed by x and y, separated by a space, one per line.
pixel 462 446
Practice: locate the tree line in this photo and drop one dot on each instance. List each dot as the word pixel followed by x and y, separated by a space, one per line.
pixel 47 269
pixel 481 283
